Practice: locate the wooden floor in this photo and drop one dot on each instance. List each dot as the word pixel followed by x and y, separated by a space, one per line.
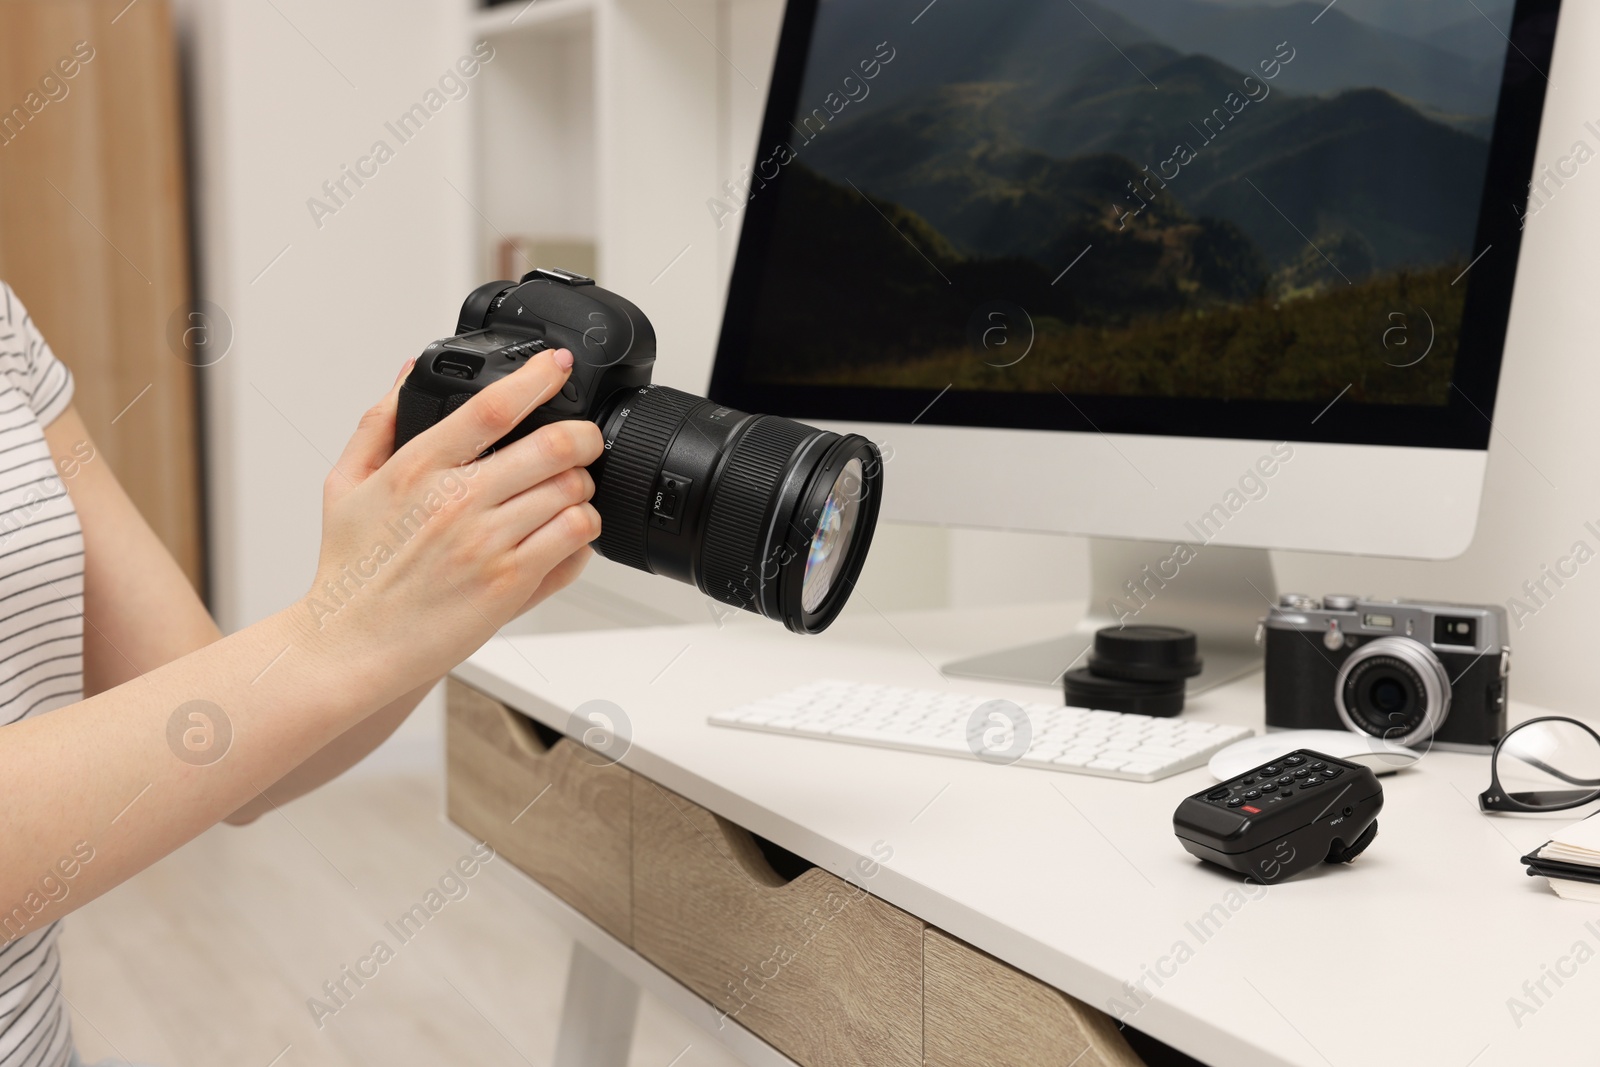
pixel 210 957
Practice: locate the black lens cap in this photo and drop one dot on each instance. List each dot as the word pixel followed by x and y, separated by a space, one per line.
pixel 1145 654
pixel 1085 689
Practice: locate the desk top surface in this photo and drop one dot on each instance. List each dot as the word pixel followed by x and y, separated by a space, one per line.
pixel 1433 948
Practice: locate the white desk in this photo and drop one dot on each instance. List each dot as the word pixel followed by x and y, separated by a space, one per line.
pixel 1409 956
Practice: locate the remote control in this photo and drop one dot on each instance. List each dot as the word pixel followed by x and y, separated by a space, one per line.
pixel 1283 817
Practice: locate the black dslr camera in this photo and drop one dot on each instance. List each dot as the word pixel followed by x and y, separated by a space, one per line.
pixel 756 511
pixel 1406 671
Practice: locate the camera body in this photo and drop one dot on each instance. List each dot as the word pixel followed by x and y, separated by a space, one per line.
pixel 1411 672
pixel 503 324
pixel 759 512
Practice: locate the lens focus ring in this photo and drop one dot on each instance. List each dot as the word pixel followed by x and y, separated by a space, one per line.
pixel 735 527
pixel 632 464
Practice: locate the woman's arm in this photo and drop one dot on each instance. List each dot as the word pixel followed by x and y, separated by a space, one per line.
pixel 350 747
pixel 449 547
pixel 130 578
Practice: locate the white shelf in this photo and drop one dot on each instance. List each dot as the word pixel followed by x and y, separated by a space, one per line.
pixel 522 17
pixel 535 131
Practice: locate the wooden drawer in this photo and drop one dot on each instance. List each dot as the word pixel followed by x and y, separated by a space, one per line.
pixel 979 1012
pixel 822 970
pixel 547 804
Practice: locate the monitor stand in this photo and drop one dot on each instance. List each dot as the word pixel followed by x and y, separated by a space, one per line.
pixel 1219 593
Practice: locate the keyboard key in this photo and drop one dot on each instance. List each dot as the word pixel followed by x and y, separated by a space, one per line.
pixel 1137 767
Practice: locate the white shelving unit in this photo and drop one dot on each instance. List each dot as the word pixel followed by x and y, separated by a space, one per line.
pixel 614 122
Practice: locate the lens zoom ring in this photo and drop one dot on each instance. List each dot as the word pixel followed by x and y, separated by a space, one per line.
pixel 632 465
pixel 730 560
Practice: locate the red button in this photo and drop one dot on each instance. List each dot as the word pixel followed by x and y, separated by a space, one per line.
pixel 1252 811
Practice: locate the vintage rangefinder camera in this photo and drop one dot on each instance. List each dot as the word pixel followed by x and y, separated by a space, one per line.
pixel 759 512
pixel 1410 672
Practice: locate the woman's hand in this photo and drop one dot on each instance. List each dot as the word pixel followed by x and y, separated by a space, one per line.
pixel 427 551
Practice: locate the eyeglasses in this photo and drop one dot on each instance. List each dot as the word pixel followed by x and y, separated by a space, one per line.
pixel 1545 764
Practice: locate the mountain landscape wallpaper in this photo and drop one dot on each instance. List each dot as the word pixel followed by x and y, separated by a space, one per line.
pixel 1183 198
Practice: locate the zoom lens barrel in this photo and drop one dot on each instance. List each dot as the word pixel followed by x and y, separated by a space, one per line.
pixel 756 511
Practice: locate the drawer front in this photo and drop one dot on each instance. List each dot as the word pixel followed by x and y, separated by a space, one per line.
pixel 557 811
pixel 980 1012
pixel 825 972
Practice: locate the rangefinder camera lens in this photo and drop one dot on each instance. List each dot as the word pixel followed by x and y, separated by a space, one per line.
pixel 756 511
pixel 1393 688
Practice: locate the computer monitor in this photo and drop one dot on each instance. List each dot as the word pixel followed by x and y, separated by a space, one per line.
pixel 1213 276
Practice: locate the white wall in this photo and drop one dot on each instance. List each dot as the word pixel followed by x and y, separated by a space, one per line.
pixel 285 94
pixel 285 100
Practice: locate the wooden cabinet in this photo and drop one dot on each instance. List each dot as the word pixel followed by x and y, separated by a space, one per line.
pixel 553 808
pixel 981 1013
pixel 819 968
pixel 828 974
pixel 94 234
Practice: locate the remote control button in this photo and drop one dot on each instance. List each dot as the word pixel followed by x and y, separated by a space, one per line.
pixel 1252 794
pixel 1270 769
pixel 1294 761
pixel 1217 794
pixel 1302 772
pixel 1248 779
pixel 1318 766
pixel 1235 802
pixel 1333 772
pixel 1286 781
pixel 1287 793
pixel 1309 782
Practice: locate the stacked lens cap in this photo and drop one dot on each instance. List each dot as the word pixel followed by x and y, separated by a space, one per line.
pixel 1135 669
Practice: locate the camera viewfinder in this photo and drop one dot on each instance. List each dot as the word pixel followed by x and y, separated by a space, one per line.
pixel 1455 630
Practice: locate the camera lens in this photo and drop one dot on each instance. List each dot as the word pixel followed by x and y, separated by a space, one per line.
pixel 759 512
pixel 1393 688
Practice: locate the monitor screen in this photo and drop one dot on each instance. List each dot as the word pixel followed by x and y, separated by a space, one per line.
pixel 1233 218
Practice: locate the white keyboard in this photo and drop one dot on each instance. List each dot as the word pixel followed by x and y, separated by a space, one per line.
pixel 1139 748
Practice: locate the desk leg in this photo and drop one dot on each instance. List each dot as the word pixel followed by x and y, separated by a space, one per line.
pixel 598 1015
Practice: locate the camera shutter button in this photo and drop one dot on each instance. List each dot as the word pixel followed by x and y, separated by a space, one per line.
pixel 1334 638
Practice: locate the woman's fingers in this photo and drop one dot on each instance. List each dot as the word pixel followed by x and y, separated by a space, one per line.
pixel 465 433
pixel 561 575
pixel 567 531
pixel 532 508
pixel 373 442
pixel 541 455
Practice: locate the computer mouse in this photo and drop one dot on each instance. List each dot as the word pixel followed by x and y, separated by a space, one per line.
pixel 1382 756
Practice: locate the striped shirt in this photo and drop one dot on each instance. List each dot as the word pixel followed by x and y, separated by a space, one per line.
pixel 41 654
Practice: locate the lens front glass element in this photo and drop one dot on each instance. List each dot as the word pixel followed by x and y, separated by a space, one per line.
pixel 1549 763
pixel 1389 696
pixel 1387 701
pixel 836 528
